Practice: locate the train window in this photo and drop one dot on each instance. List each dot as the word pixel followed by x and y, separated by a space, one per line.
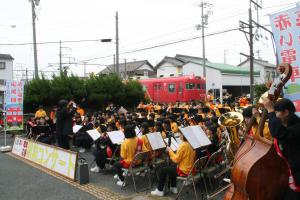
pixel 171 88
pixel 198 86
pixel 187 86
pixel 203 86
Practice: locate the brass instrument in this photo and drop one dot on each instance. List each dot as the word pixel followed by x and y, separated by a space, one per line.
pixel 231 121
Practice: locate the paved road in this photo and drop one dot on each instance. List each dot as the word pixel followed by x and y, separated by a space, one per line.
pixel 19 180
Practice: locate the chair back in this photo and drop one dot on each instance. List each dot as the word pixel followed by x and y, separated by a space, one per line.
pixel 139 158
pixel 214 158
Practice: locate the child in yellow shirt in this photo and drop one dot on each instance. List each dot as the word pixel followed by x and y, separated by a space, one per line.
pixel 129 148
pixel 184 158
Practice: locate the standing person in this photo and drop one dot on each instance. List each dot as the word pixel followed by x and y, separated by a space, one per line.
pixel 64 117
pixel 284 126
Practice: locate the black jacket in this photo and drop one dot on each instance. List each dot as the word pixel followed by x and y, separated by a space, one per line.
pixel 64 121
pixel 289 139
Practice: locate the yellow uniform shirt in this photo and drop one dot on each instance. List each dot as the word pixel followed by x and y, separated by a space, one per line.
pixel 128 149
pixel 80 111
pixel 184 157
pixel 40 113
pixel 146 143
pixel 266 132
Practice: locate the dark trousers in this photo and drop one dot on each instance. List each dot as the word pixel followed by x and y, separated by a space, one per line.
pixel 118 167
pixel 100 157
pixel 164 172
pixel 291 195
pixel 84 141
pixel 63 141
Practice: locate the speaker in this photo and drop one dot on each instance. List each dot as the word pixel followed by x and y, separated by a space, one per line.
pixel 83 172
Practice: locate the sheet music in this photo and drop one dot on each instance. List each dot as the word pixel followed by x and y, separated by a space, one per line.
pixel 195 136
pixel 116 137
pixel 76 128
pixel 156 141
pixel 174 145
pixel 94 134
pixel 138 132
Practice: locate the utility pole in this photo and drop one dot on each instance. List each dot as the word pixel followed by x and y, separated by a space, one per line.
pixel 125 68
pixel 114 69
pixel 60 57
pixel 26 74
pixel 33 4
pixel 204 21
pixel 84 69
pixel 117 44
pixel 249 36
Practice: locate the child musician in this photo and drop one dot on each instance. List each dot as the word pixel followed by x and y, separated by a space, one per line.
pixel 131 145
pixel 184 158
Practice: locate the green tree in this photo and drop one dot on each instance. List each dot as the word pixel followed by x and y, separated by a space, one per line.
pixel 259 89
pixel 36 93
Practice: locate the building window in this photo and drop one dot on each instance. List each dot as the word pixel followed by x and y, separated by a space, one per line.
pixel 145 73
pixel 171 74
pixel 171 88
pixel 2 65
pixel 273 75
pixel 2 82
pixel 161 76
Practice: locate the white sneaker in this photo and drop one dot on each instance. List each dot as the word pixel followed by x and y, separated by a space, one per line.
pixel 156 192
pixel 174 190
pixel 121 183
pixel 82 150
pixel 116 177
pixel 95 169
pixel 126 173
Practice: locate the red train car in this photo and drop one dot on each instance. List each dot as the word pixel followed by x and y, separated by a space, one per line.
pixel 172 89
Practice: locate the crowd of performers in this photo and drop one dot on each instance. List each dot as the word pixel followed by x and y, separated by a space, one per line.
pixel 56 129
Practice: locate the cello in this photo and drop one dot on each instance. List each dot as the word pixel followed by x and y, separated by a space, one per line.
pixel 258 173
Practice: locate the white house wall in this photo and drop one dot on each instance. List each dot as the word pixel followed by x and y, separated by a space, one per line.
pixel 7 73
pixel 213 76
pixel 238 80
pixel 166 69
pixel 260 68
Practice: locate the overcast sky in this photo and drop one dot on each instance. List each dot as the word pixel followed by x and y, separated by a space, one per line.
pixel 142 23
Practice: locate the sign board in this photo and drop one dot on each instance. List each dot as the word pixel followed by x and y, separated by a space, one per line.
pixel 13 105
pixel 53 158
pixel 285 28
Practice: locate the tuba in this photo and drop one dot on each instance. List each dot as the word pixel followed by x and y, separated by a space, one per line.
pixel 231 122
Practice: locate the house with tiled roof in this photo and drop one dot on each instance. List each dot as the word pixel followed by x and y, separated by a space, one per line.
pixel 132 70
pixel 267 70
pixel 6 72
pixel 219 77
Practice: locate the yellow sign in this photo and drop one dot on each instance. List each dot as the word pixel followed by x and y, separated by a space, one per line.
pixel 50 157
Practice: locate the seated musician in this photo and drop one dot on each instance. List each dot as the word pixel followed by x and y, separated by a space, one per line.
pixel 174 125
pixel 145 130
pixel 104 149
pixel 159 128
pixel 82 139
pixel 40 112
pixel 284 126
pixel 248 113
pixel 184 158
pixel 43 131
pixel 80 110
pixel 129 148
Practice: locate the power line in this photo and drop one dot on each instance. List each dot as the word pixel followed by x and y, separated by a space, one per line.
pixel 66 41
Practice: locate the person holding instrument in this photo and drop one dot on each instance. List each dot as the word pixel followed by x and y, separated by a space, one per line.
pixel 284 126
pixel 184 158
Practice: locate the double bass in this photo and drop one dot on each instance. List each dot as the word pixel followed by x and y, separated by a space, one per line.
pixel 258 173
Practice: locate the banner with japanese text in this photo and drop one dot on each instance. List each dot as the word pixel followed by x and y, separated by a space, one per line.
pixel 285 27
pixel 14 105
pixel 53 158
